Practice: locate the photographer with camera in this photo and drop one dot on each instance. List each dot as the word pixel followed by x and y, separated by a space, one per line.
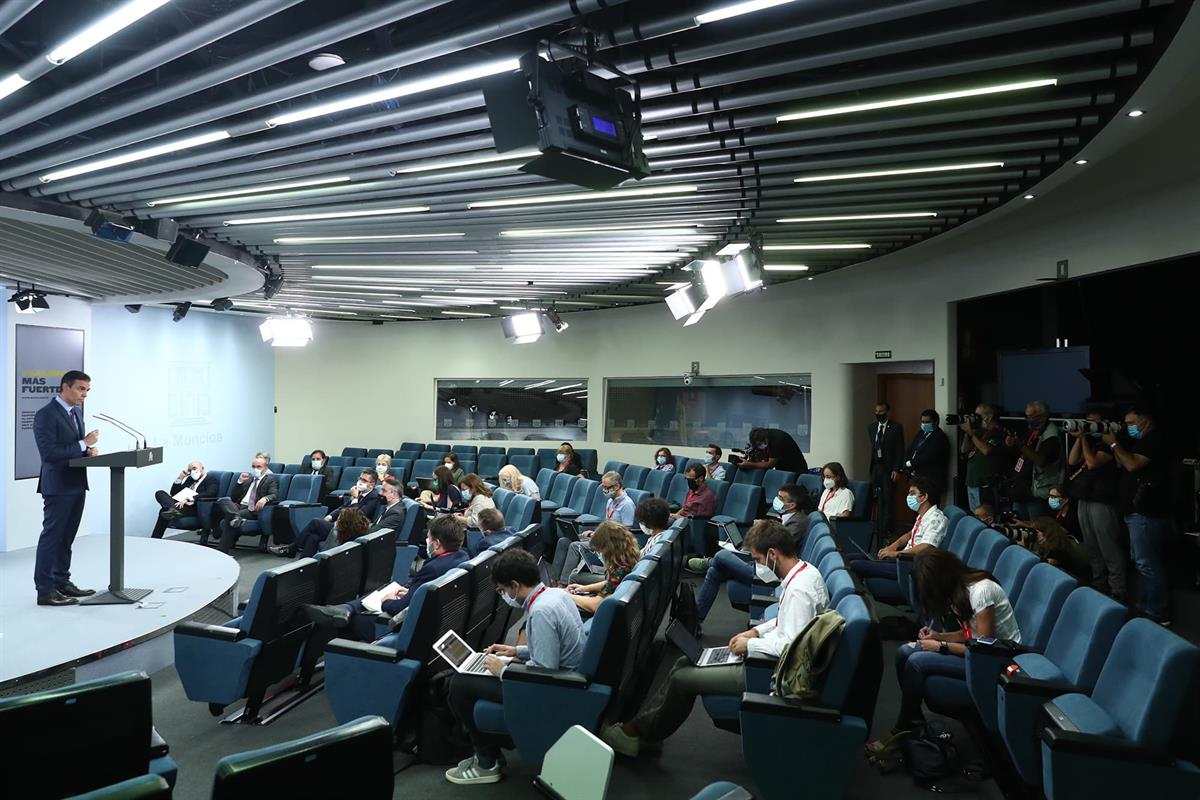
pixel 1145 499
pixel 1093 486
pixel 771 448
pixel 929 453
pixel 1054 545
pixel 983 445
pixel 1037 465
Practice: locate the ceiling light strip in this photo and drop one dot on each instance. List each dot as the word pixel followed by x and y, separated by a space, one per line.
pixel 879 173
pixel 918 99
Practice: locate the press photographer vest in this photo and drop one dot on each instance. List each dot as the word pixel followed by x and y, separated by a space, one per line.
pixel 1047 476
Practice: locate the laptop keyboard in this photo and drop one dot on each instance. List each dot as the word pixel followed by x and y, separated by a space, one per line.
pixel 718 654
pixel 475 665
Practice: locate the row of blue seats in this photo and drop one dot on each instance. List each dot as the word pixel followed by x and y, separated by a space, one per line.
pixel 1089 702
pixel 300 503
pixel 618 660
pixel 534 459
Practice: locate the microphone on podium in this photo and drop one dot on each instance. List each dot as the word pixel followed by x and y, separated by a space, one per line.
pixel 128 429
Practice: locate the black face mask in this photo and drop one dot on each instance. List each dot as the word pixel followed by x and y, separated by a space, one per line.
pixel 693 484
pixel 881 417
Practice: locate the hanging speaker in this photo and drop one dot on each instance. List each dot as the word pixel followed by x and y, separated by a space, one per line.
pixel 186 252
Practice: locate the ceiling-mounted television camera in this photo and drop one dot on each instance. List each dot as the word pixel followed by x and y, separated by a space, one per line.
pixel 586 128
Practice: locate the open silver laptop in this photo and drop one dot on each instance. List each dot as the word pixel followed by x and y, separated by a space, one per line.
pixel 460 655
pixel 733 534
pixel 682 638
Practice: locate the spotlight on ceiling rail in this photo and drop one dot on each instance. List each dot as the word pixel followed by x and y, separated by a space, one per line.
pixel 29 301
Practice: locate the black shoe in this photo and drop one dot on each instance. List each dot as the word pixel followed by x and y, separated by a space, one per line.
pixel 56 598
pixel 169 514
pixel 69 589
pixel 236 522
pixel 331 616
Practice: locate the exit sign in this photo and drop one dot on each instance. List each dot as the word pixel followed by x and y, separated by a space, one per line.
pixel 883 354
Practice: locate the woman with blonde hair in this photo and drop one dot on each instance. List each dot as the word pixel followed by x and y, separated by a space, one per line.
pixel 383 462
pixel 511 478
pixel 476 494
pixel 616 546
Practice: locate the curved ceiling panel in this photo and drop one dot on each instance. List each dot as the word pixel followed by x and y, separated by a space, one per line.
pixel 839 130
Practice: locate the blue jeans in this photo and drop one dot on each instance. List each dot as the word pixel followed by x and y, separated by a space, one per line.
pixel 1147 540
pixel 913 667
pixel 973 498
pixel 724 566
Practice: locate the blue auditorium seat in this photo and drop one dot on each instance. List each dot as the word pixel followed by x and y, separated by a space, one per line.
pixel 489 465
pixel 520 451
pixel 583 493
pixel 275 466
pixel 292 469
pixel 264 523
pixel 677 489
pixel 560 488
pixel 82 737
pixel 545 479
pixel 202 517
pixel 812 484
pixel 363 679
pixel 702 537
pixel 354 452
pixel 615 466
pixel 821 739
pixel 221 664
pixel 502 498
pixel 854 533
pixel 348 478
pixel 722 790
pixel 143 787
pixel 681 464
pixel 375 452
pixel 465 450
pixel 656 483
pixel 301 504
pixel 437 448
pixel 526 463
pixel 587 460
pixel 341 461
pixel 1071 662
pixel 773 481
pixel 411 447
pixel 989 544
pixel 521 512
pixel 492 451
pixel 424 467
pixel 1012 568
pixel 362 462
pixel 633 476
pixel 741 504
pixel 754 477
pixel 1118 742
pixel 548 457
pixel 323 764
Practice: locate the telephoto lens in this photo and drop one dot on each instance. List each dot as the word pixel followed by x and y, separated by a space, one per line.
pixel 1089 426
pixel 958 419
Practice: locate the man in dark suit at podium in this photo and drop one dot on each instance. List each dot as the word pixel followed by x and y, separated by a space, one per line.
pixel 887 459
pixel 58 431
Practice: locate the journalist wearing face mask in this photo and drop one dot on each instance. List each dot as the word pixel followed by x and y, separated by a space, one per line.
pixel 663 460
pixel 1093 484
pixel 450 461
pixel 1145 494
pixel 929 452
pixel 319 465
pixel 983 445
pixel 565 460
pixel 837 501
pixel 700 501
pixel 712 463
pixel 927 532
pixel 191 484
pixel 383 462
pixel 253 491
pixel 804 596
pixel 1037 464
pixel 570 556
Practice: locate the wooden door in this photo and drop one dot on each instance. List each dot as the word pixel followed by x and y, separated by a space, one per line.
pixel 908 394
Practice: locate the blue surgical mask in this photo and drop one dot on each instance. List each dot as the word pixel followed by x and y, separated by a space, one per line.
pixel 777 504
pixel 661 459
pixel 561 457
pixel 927 427
pixel 256 472
pixel 913 503
pixel 1134 431
pixel 466 495
pixel 1055 503
pixel 708 458
pixel 318 464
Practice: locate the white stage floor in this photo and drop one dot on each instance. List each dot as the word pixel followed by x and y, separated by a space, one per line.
pixel 40 640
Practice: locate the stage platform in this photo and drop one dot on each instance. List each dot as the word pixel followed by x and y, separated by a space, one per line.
pixel 42 647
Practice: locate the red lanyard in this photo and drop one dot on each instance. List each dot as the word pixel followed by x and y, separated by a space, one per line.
pixel 529 603
pixel 612 507
pixel 912 535
pixel 966 630
pixel 783 594
pixel 828 497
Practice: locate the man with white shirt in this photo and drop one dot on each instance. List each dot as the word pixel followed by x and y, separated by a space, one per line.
pixel 804 597
pixel 928 531
pixel 731 564
pixel 253 492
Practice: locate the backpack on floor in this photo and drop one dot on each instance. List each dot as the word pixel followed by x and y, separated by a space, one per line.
pixel 930 754
pixel 440 740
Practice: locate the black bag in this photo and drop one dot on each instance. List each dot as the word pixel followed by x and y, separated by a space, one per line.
pixel 930 754
pixel 683 608
pixel 440 739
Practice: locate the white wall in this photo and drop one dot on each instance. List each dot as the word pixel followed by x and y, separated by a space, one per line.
pixel 358 385
pixel 201 388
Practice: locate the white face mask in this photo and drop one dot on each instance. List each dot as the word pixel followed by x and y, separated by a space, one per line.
pixel 318 464
pixel 256 472
pixel 512 601
pixel 829 483
pixel 381 469
pixel 362 486
pixel 429 547
pixel 645 530
pixel 196 474
pixel 466 495
pixel 765 572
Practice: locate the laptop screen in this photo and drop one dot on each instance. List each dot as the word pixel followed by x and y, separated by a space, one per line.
pixel 544 571
pixel 682 638
pixel 733 533
pixel 453 649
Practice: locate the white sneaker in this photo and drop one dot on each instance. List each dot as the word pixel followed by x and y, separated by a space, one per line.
pixel 468 772
pixel 616 738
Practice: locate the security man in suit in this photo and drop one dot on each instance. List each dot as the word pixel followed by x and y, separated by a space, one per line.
pixel 887 459
pixel 929 453
pixel 195 477
pixel 253 492
pixel 319 465
pixel 58 431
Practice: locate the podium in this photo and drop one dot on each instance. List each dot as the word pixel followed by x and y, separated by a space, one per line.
pixel 117 463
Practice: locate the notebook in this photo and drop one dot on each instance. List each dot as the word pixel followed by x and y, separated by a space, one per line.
pixel 682 638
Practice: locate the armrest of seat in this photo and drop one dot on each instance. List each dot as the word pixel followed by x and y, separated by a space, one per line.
pixel 784 707
pixel 567 513
pixel 219 632
pixel 759 671
pixel 371 652
pixel 158 745
pixel 563 678
pixel 1020 683
pixel 998 648
pixel 298 504
pixel 1105 747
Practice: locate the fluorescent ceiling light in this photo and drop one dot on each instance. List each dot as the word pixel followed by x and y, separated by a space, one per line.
pixel 855 217
pixel 467 161
pixel 461 301
pixel 286 331
pixel 539 385
pixel 506 382
pixel 392 237
pixel 466 314
pixel 1137 112
pixel 917 99
pixel 400 89
pixel 135 155
pixel 374 212
pixel 624 230
pixel 785 267
pixel 902 171
pixel 560 388
pixel 854 246
pixel 11 84
pixel 733 248
pixel 101 29
pixel 643 191
pixel 269 187
pixel 736 10
pixel 577 391
pixel 521 308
